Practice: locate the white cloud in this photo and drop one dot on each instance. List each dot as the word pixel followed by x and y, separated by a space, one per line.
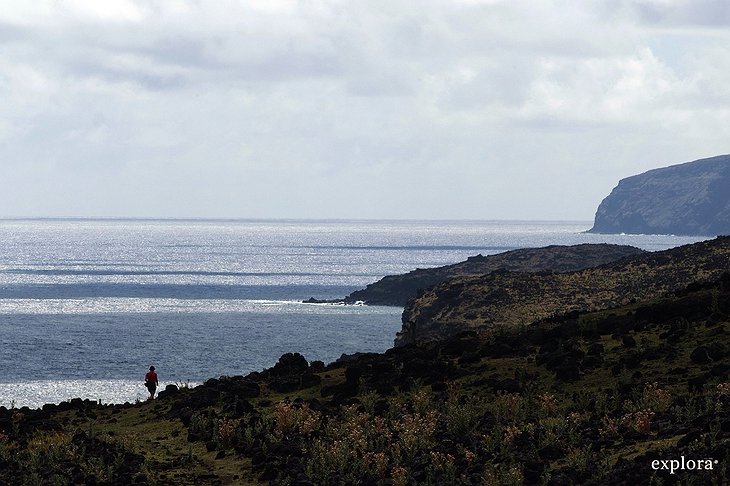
pixel 627 90
pixel 673 13
pixel 352 109
pixel 108 10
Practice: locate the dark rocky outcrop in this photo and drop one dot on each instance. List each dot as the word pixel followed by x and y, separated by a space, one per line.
pixel 510 298
pixel 686 199
pixel 291 372
pixel 397 289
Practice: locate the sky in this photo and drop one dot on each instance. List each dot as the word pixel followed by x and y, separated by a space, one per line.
pixel 392 109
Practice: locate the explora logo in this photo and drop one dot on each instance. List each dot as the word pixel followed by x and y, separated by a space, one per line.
pixel 682 464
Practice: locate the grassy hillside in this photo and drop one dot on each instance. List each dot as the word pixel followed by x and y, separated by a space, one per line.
pixel 503 297
pixel 398 289
pixel 585 398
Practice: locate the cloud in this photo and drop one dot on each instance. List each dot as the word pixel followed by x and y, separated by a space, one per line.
pixel 352 109
pixel 704 13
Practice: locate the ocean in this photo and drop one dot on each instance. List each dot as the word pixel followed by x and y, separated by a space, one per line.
pixel 86 306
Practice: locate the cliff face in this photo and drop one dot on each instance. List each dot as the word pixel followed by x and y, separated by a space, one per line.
pixel 398 289
pixel 512 299
pixel 685 199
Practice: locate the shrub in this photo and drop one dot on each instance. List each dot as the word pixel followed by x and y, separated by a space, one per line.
pixel 638 421
pixel 226 431
pixel 462 414
pixel 656 398
pixel 503 475
pixel 508 406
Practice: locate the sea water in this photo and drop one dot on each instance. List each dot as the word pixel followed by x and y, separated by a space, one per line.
pixel 86 306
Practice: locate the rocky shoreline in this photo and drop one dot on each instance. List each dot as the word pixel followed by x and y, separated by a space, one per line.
pixel 397 290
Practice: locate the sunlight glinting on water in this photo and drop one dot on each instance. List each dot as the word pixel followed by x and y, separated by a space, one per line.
pixel 35 394
pixel 107 298
pixel 113 305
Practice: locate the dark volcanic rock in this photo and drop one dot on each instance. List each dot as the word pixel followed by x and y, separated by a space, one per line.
pixel 685 199
pixel 290 373
pixel 397 289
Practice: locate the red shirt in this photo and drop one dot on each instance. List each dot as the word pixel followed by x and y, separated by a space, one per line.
pixel 151 376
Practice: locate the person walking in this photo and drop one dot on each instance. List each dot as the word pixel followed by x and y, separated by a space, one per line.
pixel 150 381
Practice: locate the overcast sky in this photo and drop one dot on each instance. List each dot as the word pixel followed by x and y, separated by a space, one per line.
pixel 352 109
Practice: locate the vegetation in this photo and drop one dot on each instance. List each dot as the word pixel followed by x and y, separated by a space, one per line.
pixel 505 297
pixel 399 289
pixel 583 398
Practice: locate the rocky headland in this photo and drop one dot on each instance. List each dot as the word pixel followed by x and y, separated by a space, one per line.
pixel 515 298
pixel 686 199
pixel 396 290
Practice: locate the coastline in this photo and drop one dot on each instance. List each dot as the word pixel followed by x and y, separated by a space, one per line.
pixel 522 402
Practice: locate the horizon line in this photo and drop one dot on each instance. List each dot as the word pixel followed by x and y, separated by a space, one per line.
pixel 281 219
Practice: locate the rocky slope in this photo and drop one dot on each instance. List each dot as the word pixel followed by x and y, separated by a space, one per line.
pixel 396 290
pixel 511 298
pixel 685 199
pixel 593 398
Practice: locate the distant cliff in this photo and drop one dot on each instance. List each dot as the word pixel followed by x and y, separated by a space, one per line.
pixel 397 289
pixel 512 299
pixel 685 199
